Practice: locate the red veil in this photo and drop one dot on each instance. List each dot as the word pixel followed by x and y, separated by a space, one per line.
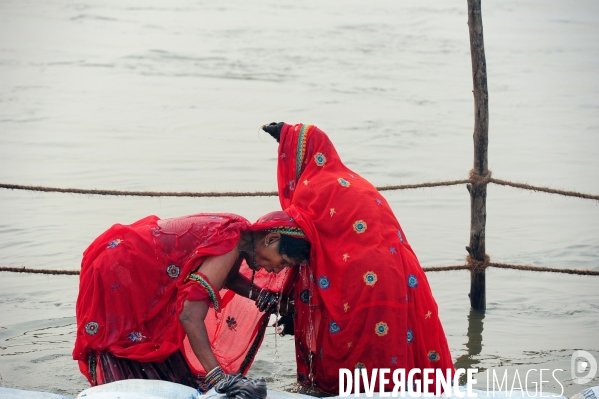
pixel 364 301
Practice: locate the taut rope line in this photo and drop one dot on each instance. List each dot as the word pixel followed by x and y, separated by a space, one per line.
pixel 473 180
pixel 426 269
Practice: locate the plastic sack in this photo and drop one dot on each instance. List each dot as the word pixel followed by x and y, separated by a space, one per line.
pixel 137 389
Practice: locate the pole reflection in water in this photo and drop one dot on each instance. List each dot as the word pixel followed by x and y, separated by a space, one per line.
pixel 474 344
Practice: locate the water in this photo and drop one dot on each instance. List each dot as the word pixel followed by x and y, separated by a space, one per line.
pixel 131 96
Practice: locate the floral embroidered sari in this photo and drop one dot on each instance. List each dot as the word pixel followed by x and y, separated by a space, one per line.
pixel 364 301
pixel 134 280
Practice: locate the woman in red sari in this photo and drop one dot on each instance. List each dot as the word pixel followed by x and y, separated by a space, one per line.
pixel 157 297
pixel 364 301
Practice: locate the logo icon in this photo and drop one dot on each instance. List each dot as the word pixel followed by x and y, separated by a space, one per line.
pixel 583 362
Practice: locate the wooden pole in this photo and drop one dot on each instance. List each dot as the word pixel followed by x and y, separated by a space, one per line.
pixel 478 191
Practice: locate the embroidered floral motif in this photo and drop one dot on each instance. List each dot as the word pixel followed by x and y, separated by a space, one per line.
pixel 359 226
pixel 394 360
pixel 381 328
pixel 199 279
pixel 428 315
pixel 320 159
pixel 346 306
pixel 305 296
pixel 173 271
pixel 410 336
pixel 136 336
pixel 343 182
pixel 156 231
pixel 393 250
pixel 290 231
pixel 370 278
pixel 349 344
pixel 291 185
pixel 412 281
pixel 334 328
pixel 345 257
pixel 232 323
pixel 92 328
pixel 323 282
pixel 333 212
pixel 306 182
pixel 114 286
pixel 114 243
pixel 360 366
pixel 378 201
pixel 352 176
pixel 400 236
pixel 433 356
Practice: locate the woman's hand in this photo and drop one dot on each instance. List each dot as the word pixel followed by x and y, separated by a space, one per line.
pixel 285 325
pixel 274 129
pixel 267 300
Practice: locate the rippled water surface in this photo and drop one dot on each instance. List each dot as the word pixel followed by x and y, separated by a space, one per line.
pixel 169 97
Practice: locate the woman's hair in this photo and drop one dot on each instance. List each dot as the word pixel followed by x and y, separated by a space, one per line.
pixel 295 248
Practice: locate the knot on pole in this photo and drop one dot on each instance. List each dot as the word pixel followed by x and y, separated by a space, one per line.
pixel 478 180
pixel 476 265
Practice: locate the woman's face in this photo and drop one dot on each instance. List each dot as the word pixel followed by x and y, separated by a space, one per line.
pixel 268 256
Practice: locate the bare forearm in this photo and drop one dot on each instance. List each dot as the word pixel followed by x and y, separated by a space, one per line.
pixel 192 320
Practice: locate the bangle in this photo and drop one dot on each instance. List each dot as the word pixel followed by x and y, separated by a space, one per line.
pixel 214 376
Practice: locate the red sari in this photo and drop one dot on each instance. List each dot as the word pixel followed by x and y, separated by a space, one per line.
pixel 132 288
pixel 364 301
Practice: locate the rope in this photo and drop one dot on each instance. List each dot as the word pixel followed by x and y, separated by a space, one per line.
pixel 424 185
pixel 38 271
pixel 477 266
pixel 474 179
pixel 544 189
pixel 426 269
pixel 485 264
pixel 545 269
pixel 139 193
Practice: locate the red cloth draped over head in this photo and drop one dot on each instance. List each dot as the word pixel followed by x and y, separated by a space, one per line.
pixel 364 301
pixel 133 285
pixel 278 221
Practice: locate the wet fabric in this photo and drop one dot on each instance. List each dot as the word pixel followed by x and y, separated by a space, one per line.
pixel 133 285
pixel 236 386
pixel 364 301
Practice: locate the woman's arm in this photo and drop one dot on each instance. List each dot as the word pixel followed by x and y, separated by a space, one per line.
pixel 240 285
pixel 216 269
pixel 192 318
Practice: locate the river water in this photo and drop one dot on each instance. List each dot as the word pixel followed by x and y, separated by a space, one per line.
pixel 153 96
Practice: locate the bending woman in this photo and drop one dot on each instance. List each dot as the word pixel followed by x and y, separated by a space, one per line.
pixel 364 302
pixel 158 296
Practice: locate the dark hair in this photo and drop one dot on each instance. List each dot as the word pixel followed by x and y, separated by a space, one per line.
pixel 295 248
